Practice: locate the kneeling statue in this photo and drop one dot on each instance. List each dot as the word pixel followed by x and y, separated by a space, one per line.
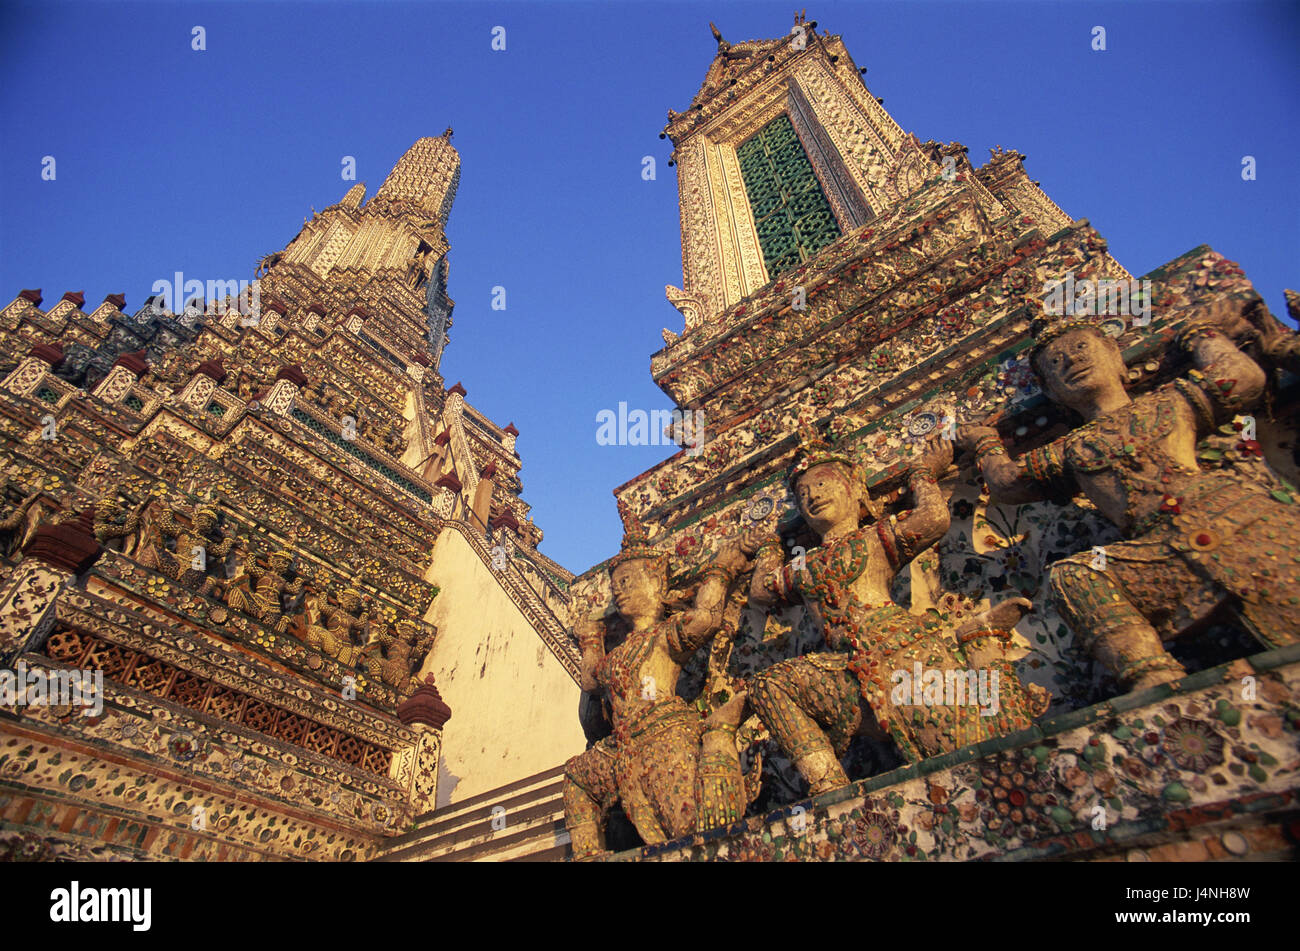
pixel 814 704
pixel 674 771
pixel 1195 539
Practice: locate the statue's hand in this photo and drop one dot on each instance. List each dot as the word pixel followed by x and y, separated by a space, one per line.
pixel 587 670
pixel 1273 334
pixel 1229 318
pixel 732 556
pixel 1002 616
pixel 1007 614
pixel 968 436
pixel 752 538
pixel 936 456
pixel 590 633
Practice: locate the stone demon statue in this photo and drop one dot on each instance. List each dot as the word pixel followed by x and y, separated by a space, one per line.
pixel 395 657
pixel 1194 538
pixel 673 770
pixel 814 704
pixel 16 522
pixel 190 556
pixel 117 526
pixel 341 631
pixel 263 592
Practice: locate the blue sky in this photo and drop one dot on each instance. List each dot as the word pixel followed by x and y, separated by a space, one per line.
pixel 173 159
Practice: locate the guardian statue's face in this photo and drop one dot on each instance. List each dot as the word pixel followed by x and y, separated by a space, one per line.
pixel 639 588
pixel 1078 369
pixel 827 497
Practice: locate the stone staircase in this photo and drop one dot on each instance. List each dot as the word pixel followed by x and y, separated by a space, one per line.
pixel 531 828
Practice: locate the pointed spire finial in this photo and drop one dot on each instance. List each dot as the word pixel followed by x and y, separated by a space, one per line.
pixel 448 134
pixel 723 45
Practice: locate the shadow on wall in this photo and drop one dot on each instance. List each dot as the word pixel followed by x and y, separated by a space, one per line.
pixel 447 783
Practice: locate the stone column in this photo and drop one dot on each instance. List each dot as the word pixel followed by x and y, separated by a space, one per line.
pixel 68 304
pixel 284 391
pixel 506 522
pixel 128 368
pixel 27 376
pixel 434 465
pixel 417 765
pixel 113 304
pixel 203 384
pixel 52 560
pixel 482 505
pixel 273 309
pixel 27 300
pixel 315 311
pixel 445 501
pixel 356 317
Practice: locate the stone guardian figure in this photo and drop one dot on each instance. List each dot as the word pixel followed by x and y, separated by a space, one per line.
pixel 814 704
pixel 672 769
pixel 1194 538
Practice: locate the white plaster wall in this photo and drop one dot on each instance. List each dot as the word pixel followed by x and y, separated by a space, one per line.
pixel 514 709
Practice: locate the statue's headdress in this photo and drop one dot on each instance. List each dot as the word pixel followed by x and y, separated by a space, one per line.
pixel 207 505
pixel 815 450
pixel 636 542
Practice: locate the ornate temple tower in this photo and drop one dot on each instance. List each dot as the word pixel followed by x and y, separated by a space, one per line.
pixel 839 272
pixel 401 232
pixel 826 255
pixel 268 524
pixel 784 150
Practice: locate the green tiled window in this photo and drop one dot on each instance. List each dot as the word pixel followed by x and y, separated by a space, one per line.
pixel 793 217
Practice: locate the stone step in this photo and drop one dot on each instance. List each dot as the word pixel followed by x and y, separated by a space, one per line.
pixel 556 853
pixel 550 839
pixel 451 810
pixel 535 828
pixel 464 831
pixel 436 825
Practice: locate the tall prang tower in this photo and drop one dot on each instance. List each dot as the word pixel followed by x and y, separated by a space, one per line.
pixel 839 271
pixel 269 527
pixel 393 249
